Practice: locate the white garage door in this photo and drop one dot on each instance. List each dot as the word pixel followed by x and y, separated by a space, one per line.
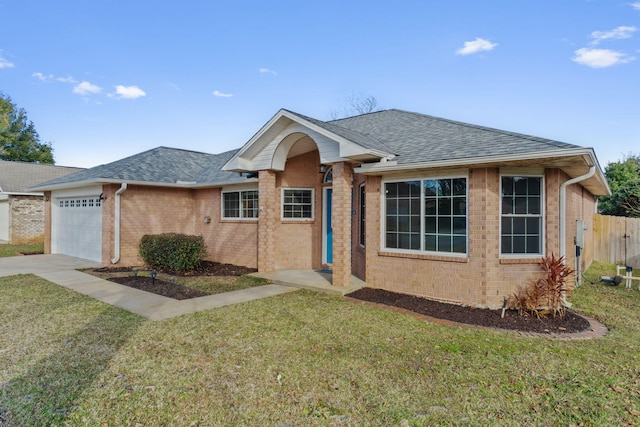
pixel 76 226
pixel 4 220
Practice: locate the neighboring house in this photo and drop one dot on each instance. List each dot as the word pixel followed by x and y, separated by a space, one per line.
pixel 21 209
pixel 407 202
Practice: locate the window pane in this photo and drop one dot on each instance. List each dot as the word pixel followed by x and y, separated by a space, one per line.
pixel 533 244
pixel 430 224
pixel 430 206
pixel 507 186
pixel 444 225
pixel 444 244
pixel 507 205
pixel 431 188
pixel 459 244
pixel 231 203
pixel 459 206
pixel 519 225
pixel 520 185
pixel 460 226
pixel 445 186
pixel 534 205
pixel 392 240
pixel 429 242
pixel 533 226
pixel 506 245
pixel 506 226
pixel 534 187
pixel 519 246
pixel 403 206
pixel 521 205
pixel 460 187
pixel 444 206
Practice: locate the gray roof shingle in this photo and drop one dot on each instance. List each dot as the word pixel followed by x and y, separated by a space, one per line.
pixel 159 165
pixel 417 137
pixel 18 177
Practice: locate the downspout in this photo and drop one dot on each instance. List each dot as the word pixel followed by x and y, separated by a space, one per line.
pixel 563 206
pixel 116 223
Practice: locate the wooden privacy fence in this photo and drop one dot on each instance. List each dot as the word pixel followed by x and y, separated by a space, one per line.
pixel 616 240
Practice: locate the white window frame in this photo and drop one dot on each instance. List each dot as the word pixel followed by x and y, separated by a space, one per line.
pixel 542 215
pixel 282 204
pixel 422 178
pixel 240 210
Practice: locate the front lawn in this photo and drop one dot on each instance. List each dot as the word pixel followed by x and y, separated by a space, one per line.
pixel 305 358
pixel 13 250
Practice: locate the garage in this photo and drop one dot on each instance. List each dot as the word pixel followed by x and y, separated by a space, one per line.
pixel 76 224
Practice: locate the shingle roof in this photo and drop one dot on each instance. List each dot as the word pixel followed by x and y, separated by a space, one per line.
pixel 417 137
pixel 158 165
pixel 17 177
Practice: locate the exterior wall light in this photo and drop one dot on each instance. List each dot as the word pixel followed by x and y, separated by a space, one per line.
pixel 207 219
pixel 322 169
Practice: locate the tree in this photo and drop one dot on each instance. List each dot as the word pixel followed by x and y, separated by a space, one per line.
pixel 356 104
pixel 19 140
pixel 624 180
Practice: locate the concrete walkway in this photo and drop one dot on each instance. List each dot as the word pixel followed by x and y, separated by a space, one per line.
pixel 62 270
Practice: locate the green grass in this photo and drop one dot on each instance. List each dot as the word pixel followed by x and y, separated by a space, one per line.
pixel 306 358
pixel 12 250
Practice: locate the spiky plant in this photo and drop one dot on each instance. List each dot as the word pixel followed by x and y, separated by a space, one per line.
pixel 546 294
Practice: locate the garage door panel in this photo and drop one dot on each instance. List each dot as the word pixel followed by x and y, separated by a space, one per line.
pixel 77 227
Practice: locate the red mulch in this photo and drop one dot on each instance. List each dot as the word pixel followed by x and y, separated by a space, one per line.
pixel 570 322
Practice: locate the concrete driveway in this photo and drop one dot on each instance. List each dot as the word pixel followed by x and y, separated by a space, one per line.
pixel 62 270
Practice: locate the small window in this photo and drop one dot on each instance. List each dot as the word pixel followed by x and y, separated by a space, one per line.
pixel 522 219
pixel 240 204
pixel 297 203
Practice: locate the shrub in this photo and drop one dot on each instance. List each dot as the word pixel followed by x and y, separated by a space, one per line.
pixel 546 294
pixel 172 251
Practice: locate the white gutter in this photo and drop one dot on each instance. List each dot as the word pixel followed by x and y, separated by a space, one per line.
pixel 116 223
pixel 563 206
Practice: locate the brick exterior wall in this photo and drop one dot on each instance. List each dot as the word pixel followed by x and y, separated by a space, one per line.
pixel 484 278
pixel 26 219
pixel 228 241
pixel 342 221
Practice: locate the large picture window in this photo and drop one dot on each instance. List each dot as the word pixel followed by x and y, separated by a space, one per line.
pixel 522 216
pixel 297 203
pixel 240 204
pixel 428 215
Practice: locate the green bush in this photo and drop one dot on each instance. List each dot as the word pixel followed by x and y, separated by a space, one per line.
pixel 172 251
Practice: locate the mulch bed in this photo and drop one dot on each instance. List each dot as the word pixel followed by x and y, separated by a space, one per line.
pixel 171 290
pixel 159 287
pixel 569 323
pixel 206 268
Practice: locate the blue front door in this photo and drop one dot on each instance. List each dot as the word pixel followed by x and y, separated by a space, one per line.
pixel 328 230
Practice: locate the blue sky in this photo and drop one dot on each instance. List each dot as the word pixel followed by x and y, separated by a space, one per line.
pixel 103 80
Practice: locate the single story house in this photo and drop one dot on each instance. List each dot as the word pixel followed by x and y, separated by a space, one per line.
pixel 405 201
pixel 21 209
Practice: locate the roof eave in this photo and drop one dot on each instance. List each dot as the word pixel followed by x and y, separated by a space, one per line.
pixel 587 154
pixel 193 185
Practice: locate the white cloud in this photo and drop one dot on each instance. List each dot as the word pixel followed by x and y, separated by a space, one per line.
pixel 86 88
pixel 267 71
pixel 43 77
pixel 221 95
pixel 600 58
pixel 66 79
pixel 636 5
pixel 475 46
pixel 622 32
pixel 5 63
pixel 128 92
